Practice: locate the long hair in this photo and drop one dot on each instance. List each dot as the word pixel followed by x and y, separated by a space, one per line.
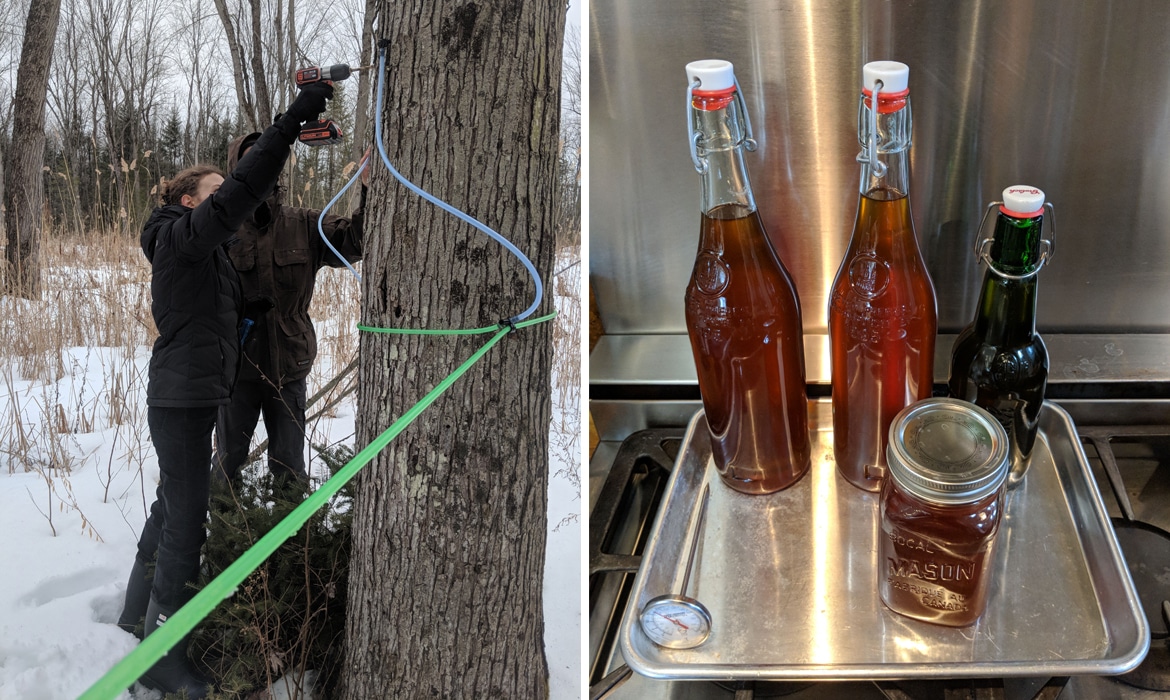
pixel 186 181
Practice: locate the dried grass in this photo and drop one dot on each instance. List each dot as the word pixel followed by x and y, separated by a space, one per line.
pixel 565 432
pixel 94 318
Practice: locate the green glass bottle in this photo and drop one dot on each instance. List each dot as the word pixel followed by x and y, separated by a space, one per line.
pixel 999 361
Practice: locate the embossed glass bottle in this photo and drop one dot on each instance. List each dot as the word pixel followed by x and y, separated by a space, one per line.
pixel 999 362
pixel 742 311
pixel 882 314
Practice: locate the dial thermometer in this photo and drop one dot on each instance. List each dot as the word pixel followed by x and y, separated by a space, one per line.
pixel 675 621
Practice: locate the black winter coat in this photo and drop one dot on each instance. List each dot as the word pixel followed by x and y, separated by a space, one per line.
pixel 277 254
pixel 197 303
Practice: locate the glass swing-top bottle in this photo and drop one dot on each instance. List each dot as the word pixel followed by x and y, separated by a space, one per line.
pixel 882 313
pixel 999 362
pixel 742 311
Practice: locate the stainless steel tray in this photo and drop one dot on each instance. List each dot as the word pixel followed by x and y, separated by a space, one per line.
pixel 791 578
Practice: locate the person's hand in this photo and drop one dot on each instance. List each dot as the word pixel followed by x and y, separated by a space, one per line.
pixel 311 102
pixel 365 161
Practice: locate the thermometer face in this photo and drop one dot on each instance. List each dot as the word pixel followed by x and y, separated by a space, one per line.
pixel 676 622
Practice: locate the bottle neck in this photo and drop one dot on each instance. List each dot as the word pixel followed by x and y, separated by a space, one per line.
pixel 1015 247
pixel 1007 310
pixel 1007 305
pixel 894 183
pixel 721 138
pixel 885 160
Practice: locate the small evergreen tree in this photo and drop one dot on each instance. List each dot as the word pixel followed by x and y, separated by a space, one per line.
pixel 287 619
pixel 170 146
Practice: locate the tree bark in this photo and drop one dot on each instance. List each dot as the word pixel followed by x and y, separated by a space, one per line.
pixel 286 95
pixel 23 179
pixel 263 98
pixel 278 52
pixel 239 72
pixel 445 596
pixel 362 131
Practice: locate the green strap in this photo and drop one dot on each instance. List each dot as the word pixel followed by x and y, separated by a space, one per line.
pixel 412 331
pixel 154 647
pixel 456 331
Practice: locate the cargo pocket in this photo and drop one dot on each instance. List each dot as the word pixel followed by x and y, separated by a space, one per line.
pixel 300 347
pixel 243 255
pixel 292 268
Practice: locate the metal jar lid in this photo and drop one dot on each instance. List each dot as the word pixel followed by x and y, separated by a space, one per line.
pixel 947 451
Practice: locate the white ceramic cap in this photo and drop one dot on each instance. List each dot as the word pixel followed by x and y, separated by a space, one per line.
pixel 1023 199
pixel 895 76
pixel 713 74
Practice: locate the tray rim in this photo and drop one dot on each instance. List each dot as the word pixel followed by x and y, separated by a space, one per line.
pixel 1123 661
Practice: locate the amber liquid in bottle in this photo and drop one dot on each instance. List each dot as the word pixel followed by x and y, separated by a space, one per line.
pixel 936 559
pixel 882 326
pixel 743 318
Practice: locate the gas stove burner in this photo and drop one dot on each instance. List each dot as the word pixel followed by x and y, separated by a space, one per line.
pixel 1146 548
pixel 626 506
pixel 619 526
pixel 762 689
pixel 982 688
pixel 1147 554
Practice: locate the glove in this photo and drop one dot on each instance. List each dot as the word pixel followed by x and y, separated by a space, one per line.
pixel 310 103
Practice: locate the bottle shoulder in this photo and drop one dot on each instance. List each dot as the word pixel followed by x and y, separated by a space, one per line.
pixel 979 365
pixel 973 341
pixel 872 281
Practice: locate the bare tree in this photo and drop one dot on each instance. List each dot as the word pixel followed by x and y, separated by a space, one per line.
pixel 571 139
pixel 73 169
pixel 259 73
pixel 127 46
pixel 240 74
pixel 287 56
pixel 450 520
pixel 12 17
pixel 571 89
pixel 127 76
pixel 264 48
pixel 362 132
pixel 208 99
pixel 25 159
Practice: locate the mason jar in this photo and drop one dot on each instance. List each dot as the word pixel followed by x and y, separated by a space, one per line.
pixel 940 510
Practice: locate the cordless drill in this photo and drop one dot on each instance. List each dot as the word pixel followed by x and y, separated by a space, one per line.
pixel 323 131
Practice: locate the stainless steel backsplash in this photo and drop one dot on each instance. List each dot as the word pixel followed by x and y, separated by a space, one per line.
pixel 1071 97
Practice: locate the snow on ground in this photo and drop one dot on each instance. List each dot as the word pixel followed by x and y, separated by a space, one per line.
pixel 78 472
pixel 563 575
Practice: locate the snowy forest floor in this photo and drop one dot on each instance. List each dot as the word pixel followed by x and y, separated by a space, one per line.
pixel 78 471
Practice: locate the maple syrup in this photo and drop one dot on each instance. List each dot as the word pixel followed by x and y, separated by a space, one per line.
pixel 940 511
pixel 882 311
pixel 744 323
pixel 742 311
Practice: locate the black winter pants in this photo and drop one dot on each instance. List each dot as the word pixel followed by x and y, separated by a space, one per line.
pixel 174 531
pixel 284 419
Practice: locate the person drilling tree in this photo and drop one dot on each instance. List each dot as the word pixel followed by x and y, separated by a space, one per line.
pixel 227 582
pixel 196 305
pixel 277 255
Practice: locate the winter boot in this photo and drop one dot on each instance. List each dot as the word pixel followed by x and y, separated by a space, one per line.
pixel 173 672
pixel 137 598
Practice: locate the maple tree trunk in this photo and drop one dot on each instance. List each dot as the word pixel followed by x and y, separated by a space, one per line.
pixel 24 189
pixel 445 596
